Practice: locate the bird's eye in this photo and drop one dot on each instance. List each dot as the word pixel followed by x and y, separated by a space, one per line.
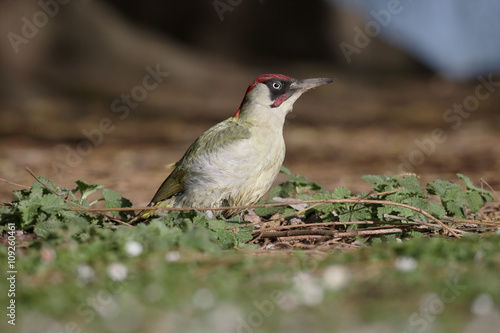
pixel 277 85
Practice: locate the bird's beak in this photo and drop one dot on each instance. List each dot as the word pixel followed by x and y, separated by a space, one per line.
pixel 310 83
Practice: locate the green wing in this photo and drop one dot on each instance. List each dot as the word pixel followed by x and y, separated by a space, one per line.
pixel 217 137
pixel 173 185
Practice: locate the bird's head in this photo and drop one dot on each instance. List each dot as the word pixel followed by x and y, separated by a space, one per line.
pixel 272 96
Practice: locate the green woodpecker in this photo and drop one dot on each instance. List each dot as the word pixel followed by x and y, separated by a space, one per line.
pixel 235 162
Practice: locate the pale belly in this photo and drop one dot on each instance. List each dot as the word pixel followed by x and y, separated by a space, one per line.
pixel 240 175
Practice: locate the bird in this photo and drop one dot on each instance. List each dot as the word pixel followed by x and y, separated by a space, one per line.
pixel 235 162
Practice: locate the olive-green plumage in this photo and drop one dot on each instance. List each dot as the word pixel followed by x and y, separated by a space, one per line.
pixel 235 162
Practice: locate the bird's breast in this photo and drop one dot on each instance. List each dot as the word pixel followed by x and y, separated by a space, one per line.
pixel 241 172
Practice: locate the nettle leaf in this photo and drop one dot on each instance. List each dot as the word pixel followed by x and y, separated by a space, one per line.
pixel 68 215
pixel 268 211
pixel 468 183
pixel 455 209
pixel 327 207
pixel 384 209
pixel 416 202
pixel 21 194
pixel 299 182
pixel 114 200
pixel 471 188
pixel 411 186
pixel 52 204
pixel 85 190
pixel 200 239
pixel 8 215
pixel 359 213
pixel 284 170
pixel 244 235
pixel 346 211
pixel 157 235
pixel 46 182
pixel 455 200
pixel 436 210
pixel 217 225
pixel 47 227
pixel 375 180
pixel 225 237
pixel 29 210
pixel 441 187
pixel 77 225
pixel 474 200
pixel 341 193
pixel 405 212
pixel 184 219
pixel 283 190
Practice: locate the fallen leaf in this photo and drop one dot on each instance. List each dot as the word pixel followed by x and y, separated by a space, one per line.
pixel 296 206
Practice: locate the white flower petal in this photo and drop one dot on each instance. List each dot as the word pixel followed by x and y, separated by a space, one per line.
pixel 133 248
pixel 117 271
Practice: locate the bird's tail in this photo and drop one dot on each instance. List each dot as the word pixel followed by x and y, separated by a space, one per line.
pixel 143 215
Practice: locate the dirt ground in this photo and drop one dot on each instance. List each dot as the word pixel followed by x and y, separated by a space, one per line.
pixel 337 133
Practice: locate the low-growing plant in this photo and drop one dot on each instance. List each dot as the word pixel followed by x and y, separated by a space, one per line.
pixel 58 214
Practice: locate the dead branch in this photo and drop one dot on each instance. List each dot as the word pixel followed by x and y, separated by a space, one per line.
pixel 319 232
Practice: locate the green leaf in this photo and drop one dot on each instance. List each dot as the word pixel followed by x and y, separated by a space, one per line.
pixel 327 207
pixel 283 190
pixel 341 193
pixel 468 182
pixel 454 206
pixel 29 210
pixel 485 195
pixel 360 213
pixel 300 183
pixel 411 186
pixel 416 202
pixel 375 180
pixel 455 200
pixel 284 170
pixel 7 215
pixel 436 210
pixel 85 190
pixel 244 234
pixel 267 211
pixel 217 225
pixel 48 227
pixel 52 204
pixel 200 239
pixel 474 200
pixel 440 187
pixel 46 182
pixel 114 200
pixel 384 209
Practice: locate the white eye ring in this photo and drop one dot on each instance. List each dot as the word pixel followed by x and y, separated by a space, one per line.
pixel 277 85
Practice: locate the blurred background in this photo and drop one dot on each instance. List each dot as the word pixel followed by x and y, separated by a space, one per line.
pixel 110 92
